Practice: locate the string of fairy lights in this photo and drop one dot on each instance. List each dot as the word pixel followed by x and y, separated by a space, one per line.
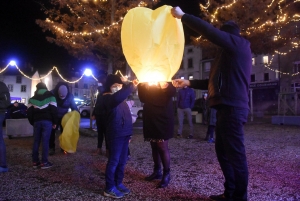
pixel 282 18
pixel 87 73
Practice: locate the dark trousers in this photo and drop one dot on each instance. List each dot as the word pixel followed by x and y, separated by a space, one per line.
pixel 230 151
pixel 118 155
pixel 100 130
pixel 53 131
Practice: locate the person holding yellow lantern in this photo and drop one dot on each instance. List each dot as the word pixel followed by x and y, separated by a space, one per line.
pixel 118 133
pixel 228 87
pixel 158 126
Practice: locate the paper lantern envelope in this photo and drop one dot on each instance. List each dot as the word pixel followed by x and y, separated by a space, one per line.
pixel 153 43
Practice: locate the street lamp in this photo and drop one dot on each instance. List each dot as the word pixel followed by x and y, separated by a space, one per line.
pixel 12 63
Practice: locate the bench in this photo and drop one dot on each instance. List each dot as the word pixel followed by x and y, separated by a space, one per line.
pixel 18 128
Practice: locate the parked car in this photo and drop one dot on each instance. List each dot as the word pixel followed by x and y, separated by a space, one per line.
pixel 85 109
pixel 137 111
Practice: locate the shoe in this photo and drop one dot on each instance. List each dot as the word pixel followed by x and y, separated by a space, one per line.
pixel 190 137
pixel 220 197
pixel 211 140
pixel 155 175
pixel 178 136
pixel 123 189
pixel 3 169
pixel 51 151
pixel 36 165
pixel 46 165
pixel 165 179
pixel 113 193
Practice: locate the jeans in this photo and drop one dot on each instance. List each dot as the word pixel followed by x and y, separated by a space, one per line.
pixel 2 144
pixel 42 132
pixel 180 115
pixel 230 149
pixel 114 173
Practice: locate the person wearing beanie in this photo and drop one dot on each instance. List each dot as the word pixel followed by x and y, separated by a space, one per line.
pixel 42 114
pixel 118 132
pixel 65 100
pixel 228 87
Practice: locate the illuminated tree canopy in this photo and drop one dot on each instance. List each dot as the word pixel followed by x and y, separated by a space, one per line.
pixel 90 29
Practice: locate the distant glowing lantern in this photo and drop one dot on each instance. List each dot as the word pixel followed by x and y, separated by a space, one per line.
pixel 153 43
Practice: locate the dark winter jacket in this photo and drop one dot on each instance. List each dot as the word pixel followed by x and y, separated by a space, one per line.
pixel 63 105
pixel 158 112
pixel 4 98
pixel 42 106
pixel 185 98
pixel 118 116
pixel 229 77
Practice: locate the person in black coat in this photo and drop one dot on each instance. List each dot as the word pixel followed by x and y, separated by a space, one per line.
pixel 228 88
pixel 158 126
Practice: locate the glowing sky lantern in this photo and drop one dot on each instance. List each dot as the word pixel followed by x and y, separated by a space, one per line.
pixel 153 43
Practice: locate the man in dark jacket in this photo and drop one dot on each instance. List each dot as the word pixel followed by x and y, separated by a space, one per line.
pixel 65 100
pixel 18 111
pixel 4 103
pixel 185 103
pixel 42 114
pixel 227 86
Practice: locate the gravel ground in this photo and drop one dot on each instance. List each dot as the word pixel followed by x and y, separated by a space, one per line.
pixel 272 150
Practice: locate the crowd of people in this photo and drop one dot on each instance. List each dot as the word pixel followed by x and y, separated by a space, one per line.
pixel 227 109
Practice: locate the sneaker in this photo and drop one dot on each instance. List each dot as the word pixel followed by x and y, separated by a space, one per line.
pixel 3 169
pixel 178 135
pixel 46 165
pixel 113 193
pixel 190 137
pixel 123 189
pixel 211 140
pixel 36 165
pixel 51 151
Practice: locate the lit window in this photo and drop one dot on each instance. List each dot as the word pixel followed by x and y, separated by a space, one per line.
pixel 265 59
pixel 253 61
pixel 182 78
pixel 191 77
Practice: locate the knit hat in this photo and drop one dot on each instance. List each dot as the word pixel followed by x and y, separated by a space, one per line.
pixel 231 27
pixel 41 85
pixel 110 80
pixel 62 91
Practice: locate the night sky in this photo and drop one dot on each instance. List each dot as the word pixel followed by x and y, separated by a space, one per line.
pixel 22 39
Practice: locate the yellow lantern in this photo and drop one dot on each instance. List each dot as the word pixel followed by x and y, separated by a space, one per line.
pixel 153 43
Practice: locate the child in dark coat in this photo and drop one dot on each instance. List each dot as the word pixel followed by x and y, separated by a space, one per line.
pixel 118 132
